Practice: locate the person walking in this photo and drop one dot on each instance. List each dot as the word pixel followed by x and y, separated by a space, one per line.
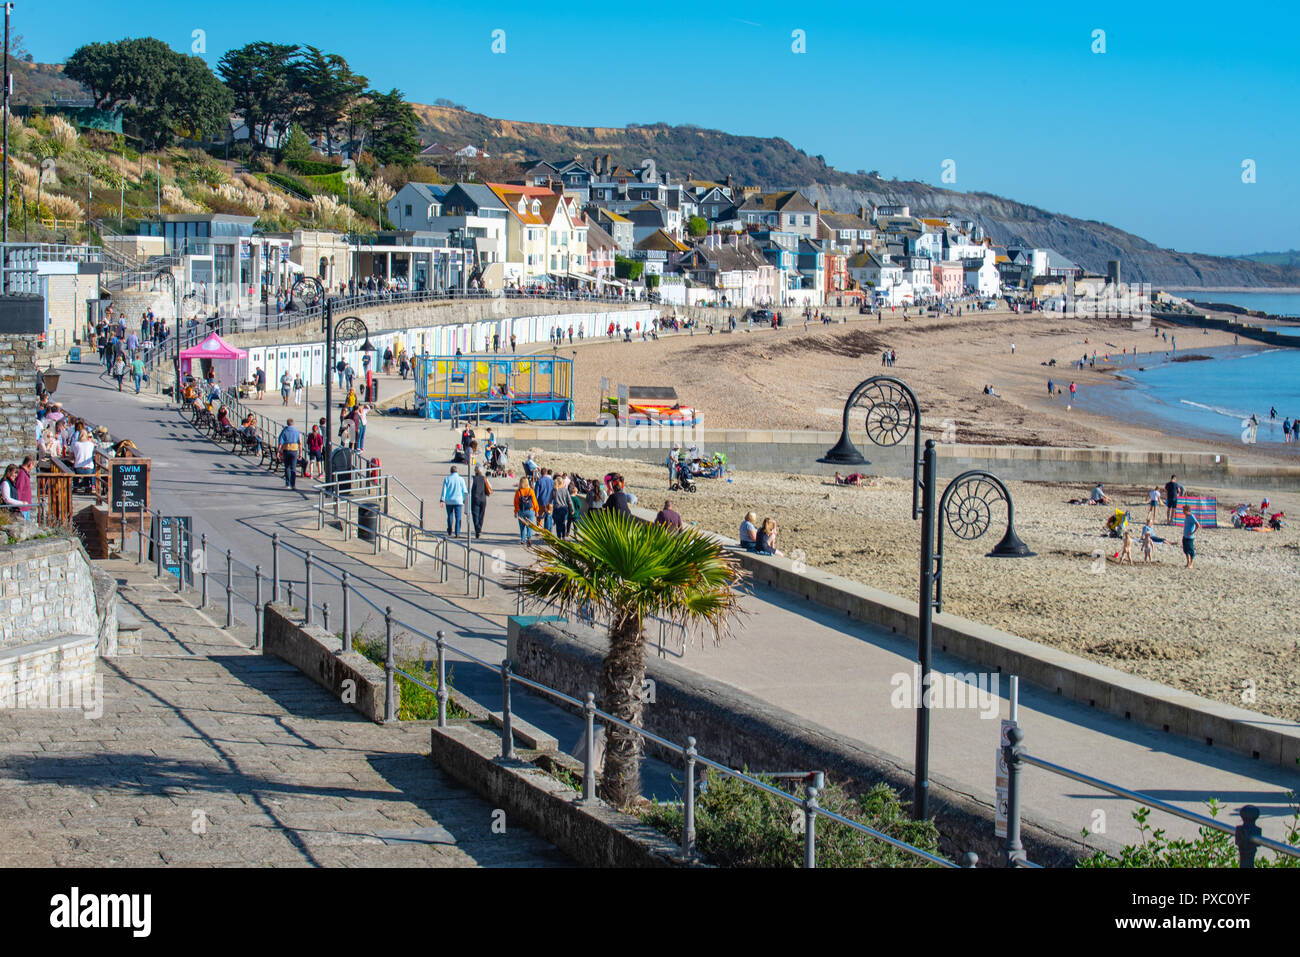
pixel 137 371
pixel 544 488
pixel 361 413
pixel 289 444
pixel 119 371
pixel 259 378
pixel 315 461
pixel 453 496
pixel 285 385
pixel 562 506
pixel 479 491
pixel 297 389
pixel 1153 503
pixel 1190 524
pixel 1074 388
pixel 525 509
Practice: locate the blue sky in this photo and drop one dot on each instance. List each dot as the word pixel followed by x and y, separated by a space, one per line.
pixel 1149 135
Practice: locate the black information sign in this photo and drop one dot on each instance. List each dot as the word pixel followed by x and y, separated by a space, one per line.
pixel 176 543
pixel 129 484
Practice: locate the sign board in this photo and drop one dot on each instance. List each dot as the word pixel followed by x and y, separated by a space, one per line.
pixel 175 542
pixel 1001 778
pixel 129 484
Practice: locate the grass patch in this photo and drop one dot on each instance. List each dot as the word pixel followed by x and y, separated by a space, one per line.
pixel 739 825
pixel 415 702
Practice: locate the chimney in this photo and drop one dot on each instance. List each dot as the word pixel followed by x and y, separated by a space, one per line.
pixel 728 181
pixel 817 205
pixel 608 166
pixel 862 213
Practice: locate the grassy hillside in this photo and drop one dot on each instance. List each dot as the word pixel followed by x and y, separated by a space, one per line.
pixel 37 84
pixel 1289 258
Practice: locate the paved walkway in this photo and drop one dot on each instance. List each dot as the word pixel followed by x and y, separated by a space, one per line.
pixel 209 754
pixel 819 665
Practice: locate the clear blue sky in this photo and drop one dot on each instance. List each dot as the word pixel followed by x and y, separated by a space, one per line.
pixel 1149 135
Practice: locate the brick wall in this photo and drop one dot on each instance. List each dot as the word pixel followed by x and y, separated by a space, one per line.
pixel 46 590
pixel 17 397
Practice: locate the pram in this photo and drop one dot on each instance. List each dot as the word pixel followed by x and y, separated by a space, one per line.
pixel 498 461
pixel 683 481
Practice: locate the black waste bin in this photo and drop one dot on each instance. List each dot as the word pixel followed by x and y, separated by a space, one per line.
pixel 340 467
pixel 367 522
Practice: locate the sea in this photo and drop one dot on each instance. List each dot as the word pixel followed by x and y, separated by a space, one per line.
pixel 1217 396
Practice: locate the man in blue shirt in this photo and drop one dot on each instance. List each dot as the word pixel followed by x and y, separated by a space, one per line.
pixel 453 496
pixel 545 489
pixel 1190 524
pixel 290 445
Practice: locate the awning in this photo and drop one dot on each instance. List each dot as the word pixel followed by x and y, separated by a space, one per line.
pixel 584 276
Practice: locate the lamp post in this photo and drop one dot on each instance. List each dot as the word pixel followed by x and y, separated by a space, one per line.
pixel 967 503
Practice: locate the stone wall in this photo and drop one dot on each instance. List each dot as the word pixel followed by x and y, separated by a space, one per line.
pixel 17 397
pixel 57 673
pixel 46 591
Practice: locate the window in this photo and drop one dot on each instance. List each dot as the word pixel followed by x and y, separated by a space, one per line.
pixel 408 209
pixel 807 220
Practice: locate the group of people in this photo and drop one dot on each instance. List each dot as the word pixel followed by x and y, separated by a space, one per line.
pixel 759 538
pixel 888 357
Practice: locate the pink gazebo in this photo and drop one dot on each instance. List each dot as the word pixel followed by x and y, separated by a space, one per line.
pixel 229 364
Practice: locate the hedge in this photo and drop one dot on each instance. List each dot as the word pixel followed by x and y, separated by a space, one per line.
pixel 313 167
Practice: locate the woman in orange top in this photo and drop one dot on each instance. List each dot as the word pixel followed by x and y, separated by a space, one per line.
pixel 525 510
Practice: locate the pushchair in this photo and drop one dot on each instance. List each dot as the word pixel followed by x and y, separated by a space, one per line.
pixel 498 462
pixel 683 481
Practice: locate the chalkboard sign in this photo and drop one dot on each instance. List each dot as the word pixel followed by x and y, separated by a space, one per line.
pixel 129 485
pixel 176 543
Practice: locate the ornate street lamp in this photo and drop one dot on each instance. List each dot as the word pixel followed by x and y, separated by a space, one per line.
pixel 967 504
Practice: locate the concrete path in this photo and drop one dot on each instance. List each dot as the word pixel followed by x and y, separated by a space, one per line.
pixel 209 754
pixel 822 666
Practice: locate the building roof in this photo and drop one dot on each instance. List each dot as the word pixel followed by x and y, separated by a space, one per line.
pixel 429 192
pixel 597 238
pixel 867 260
pixel 660 240
pixel 791 200
pixel 479 195
pixel 839 221
pixel 541 191
pixel 511 197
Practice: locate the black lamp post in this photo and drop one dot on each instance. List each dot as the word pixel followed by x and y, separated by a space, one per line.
pixel 892 412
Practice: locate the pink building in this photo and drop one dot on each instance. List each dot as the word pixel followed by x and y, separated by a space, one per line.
pixel 948 279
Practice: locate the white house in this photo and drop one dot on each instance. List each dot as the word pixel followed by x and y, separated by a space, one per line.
pixel 981 277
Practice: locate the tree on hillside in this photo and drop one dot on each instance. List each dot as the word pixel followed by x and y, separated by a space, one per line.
pixel 160 92
pixel 623 572
pixel 392 128
pixel 697 225
pixel 328 88
pixel 296 146
pixel 260 77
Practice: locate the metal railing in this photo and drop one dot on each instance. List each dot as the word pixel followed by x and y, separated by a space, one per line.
pixel 1246 835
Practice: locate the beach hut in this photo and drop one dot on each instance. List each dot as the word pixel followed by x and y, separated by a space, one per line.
pixel 214 355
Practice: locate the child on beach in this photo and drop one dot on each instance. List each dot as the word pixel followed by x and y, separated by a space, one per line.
pixel 1146 541
pixel 1126 550
pixel 1153 503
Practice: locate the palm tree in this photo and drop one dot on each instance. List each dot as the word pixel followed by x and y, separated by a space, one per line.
pixel 624 570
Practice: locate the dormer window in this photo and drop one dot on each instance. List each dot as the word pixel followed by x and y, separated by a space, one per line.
pixel 537 207
pixel 521 207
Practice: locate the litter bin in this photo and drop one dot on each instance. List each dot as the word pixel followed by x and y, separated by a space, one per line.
pixel 367 522
pixel 340 467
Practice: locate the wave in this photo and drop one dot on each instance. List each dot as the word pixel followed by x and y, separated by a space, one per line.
pixel 1230 413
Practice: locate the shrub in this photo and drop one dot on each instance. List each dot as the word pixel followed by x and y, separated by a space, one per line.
pixel 307 167
pixel 1211 848
pixel 290 183
pixel 739 825
pixel 62 134
pixel 416 703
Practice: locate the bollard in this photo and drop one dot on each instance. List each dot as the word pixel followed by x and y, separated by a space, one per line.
pixel 288 589
pixel 390 695
pixel 155 536
pixel 257 608
pixel 320 512
pixel 811 790
pixel 441 693
pixel 139 536
pixel 230 579
pixel 468 579
pixel 410 537
pixel 275 567
pixel 1015 849
pixel 589 766
pixel 306 588
pixel 183 546
pixel 507 735
pixel 482 584
pixel 1246 831
pixel 347 614
pixel 325 615
pixel 970 859
pixel 203 570
pixel 688 801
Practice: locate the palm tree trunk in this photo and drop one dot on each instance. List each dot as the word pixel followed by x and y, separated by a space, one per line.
pixel 623 674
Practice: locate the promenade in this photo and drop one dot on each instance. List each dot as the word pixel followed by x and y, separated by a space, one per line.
pixel 819 665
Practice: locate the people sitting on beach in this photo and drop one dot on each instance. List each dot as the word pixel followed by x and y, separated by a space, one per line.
pixel 853 478
pixel 988 390
pixel 749 532
pixel 765 543
pixel 1098 497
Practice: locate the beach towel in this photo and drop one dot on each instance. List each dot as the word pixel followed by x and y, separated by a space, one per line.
pixel 1204 507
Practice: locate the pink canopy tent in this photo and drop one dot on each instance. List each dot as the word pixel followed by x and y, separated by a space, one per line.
pixel 229 364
